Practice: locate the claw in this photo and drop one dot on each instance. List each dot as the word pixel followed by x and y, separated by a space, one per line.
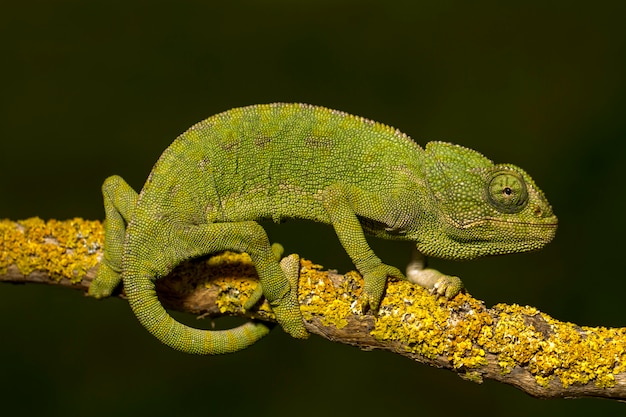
pixel 448 286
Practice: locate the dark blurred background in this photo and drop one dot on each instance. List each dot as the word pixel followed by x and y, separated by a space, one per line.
pixel 95 88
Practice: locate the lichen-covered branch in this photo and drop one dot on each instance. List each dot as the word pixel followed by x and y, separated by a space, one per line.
pixel 516 345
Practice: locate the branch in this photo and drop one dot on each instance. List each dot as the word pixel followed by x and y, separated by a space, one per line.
pixel 520 346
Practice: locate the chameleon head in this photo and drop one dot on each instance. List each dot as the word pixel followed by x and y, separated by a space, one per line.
pixel 482 208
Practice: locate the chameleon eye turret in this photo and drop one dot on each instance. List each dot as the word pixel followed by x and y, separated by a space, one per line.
pixel 506 191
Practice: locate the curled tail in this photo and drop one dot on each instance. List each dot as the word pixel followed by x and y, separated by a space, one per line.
pixel 153 316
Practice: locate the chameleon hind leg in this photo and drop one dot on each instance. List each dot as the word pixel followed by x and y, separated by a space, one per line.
pixel 290 265
pixel 288 269
pixel 119 206
pixel 280 287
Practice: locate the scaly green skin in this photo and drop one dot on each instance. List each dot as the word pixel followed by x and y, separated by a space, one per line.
pixel 281 161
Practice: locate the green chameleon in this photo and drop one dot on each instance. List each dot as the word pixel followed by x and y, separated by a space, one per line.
pixel 209 188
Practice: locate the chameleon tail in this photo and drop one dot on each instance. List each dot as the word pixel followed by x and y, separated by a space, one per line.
pixel 153 316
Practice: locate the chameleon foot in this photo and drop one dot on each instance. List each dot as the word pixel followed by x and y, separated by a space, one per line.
pixel 105 282
pixel 287 308
pixel 440 284
pixel 257 294
pixel 374 286
pixel 288 311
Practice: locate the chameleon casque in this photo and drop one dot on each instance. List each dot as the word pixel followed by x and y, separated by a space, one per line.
pixel 278 161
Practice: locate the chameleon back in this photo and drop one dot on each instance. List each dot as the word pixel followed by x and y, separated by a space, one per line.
pixel 276 158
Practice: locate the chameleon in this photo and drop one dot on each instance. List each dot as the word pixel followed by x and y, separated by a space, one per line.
pixel 210 188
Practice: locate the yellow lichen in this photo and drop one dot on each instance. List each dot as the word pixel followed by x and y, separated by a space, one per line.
pixel 63 249
pixel 579 355
pixel 430 326
pixel 463 331
pixel 560 350
pixel 227 267
pixel 320 298
pixel 513 340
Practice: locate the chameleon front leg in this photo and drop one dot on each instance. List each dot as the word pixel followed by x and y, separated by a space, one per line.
pixel 342 214
pixel 119 206
pixel 431 279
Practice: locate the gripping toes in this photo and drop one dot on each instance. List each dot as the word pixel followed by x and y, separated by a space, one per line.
pixel 447 286
pixel 436 282
pixel 375 281
pixel 286 306
pixel 105 282
pixel 288 309
pixel 277 253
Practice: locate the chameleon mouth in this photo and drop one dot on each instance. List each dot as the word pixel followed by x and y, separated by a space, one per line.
pixel 491 220
pixel 551 225
pixel 513 233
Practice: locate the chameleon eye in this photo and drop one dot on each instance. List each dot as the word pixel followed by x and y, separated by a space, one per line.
pixel 506 191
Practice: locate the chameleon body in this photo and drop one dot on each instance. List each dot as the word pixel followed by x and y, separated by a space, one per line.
pixel 278 161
